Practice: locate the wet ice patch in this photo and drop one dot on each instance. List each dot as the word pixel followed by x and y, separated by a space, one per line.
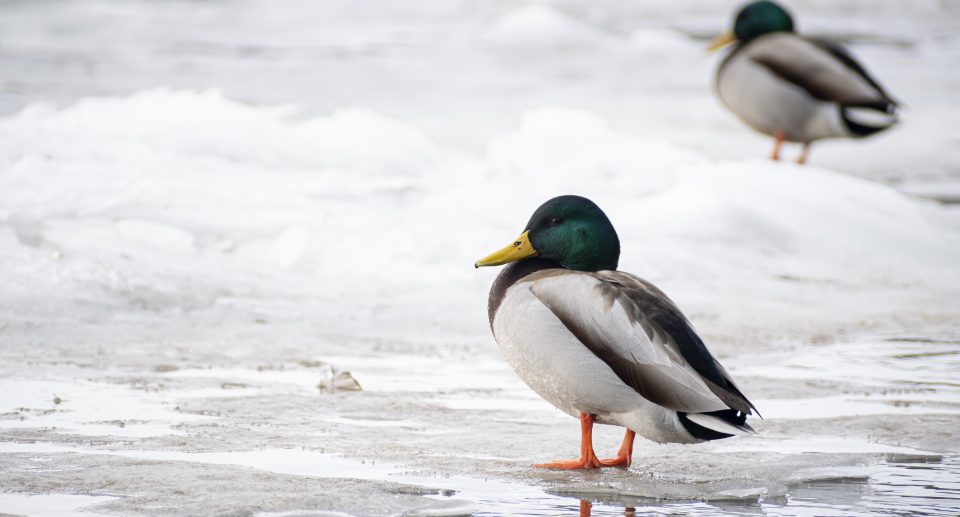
pixel 276 378
pixel 304 378
pixel 526 404
pixel 284 461
pixel 895 361
pixel 785 444
pixel 88 408
pixel 368 422
pixel 840 406
pixel 433 374
pixel 896 376
pixel 50 505
pixel 298 462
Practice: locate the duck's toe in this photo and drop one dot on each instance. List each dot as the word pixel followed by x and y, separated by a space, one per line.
pixel 590 462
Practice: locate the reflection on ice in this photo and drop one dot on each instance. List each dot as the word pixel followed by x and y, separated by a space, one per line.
pixel 895 488
pixel 809 444
pixel 88 408
pixel 49 505
pixel 295 462
pixel 861 404
pixel 894 376
pixel 898 361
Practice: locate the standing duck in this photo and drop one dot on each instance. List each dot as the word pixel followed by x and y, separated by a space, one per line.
pixel 604 345
pixel 797 88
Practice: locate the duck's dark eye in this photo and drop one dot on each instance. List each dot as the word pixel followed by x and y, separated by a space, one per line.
pixel 555 221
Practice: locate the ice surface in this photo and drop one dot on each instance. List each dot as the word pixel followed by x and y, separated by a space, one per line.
pixel 88 408
pixel 48 505
pixel 186 256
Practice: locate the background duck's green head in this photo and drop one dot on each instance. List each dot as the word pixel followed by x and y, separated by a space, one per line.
pixel 569 230
pixel 756 19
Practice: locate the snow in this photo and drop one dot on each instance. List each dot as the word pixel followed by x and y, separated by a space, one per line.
pixel 185 256
pixel 209 195
pixel 541 28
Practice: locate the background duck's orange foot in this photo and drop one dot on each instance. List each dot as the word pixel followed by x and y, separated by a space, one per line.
pixel 582 463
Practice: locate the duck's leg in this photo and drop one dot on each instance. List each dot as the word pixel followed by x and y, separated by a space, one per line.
pixel 625 454
pixel 777 142
pixel 585 507
pixel 804 154
pixel 588 459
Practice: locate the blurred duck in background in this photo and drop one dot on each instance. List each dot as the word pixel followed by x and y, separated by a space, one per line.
pixel 796 88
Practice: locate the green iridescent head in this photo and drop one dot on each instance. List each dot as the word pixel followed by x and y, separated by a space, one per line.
pixel 569 230
pixel 753 20
pixel 759 18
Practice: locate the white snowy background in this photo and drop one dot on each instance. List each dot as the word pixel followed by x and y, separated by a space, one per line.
pixel 207 208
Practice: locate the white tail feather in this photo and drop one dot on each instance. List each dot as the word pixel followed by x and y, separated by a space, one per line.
pixel 870 117
pixel 718 425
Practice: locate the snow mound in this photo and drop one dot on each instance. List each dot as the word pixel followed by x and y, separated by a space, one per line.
pixel 543 29
pixel 154 124
pixel 169 199
pixel 573 150
pixel 666 43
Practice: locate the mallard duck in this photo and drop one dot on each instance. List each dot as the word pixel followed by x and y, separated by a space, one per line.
pixel 603 345
pixel 796 88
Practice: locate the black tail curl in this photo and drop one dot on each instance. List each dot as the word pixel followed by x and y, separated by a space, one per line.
pixel 730 416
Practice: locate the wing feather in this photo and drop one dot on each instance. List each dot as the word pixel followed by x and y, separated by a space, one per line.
pixel 845 57
pixel 651 303
pixel 817 69
pixel 641 352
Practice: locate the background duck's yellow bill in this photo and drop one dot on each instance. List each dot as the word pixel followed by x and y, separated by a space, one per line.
pixel 722 41
pixel 519 250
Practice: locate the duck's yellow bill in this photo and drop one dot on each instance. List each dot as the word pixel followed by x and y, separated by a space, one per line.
pixel 518 250
pixel 722 41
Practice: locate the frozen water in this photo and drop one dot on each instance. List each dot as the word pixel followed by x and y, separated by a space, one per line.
pixel 88 408
pixel 48 505
pixel 208 209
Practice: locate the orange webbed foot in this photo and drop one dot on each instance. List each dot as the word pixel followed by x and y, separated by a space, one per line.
pixel 582 463
pixel 619 461
pixel 588 458
pixel 625 454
